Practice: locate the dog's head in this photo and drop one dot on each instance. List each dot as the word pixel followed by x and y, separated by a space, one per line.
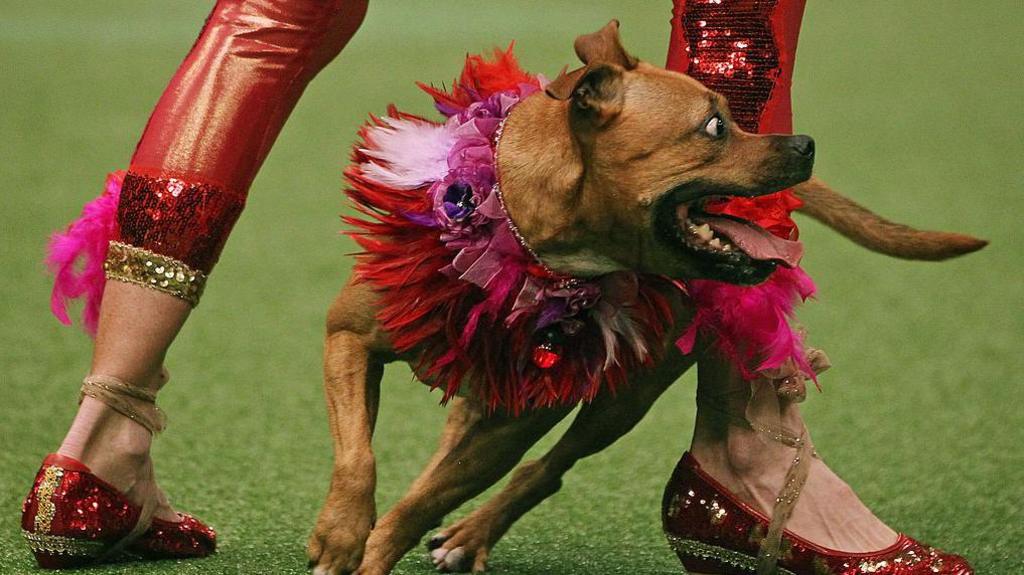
pixel 612 167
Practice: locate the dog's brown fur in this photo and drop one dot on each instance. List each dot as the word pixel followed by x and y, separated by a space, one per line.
pixel 602 151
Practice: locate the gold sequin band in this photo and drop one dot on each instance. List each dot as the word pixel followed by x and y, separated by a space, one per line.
pixel 45 508
pixel 57 545
pixel 129 400
pixel 142 267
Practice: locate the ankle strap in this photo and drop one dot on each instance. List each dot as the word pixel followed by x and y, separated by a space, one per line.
pixel 788 384
pixel 131 401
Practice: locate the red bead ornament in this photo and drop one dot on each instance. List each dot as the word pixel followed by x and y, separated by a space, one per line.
pixel 546 355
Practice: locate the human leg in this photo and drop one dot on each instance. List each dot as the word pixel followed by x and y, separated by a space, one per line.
pixel 185 187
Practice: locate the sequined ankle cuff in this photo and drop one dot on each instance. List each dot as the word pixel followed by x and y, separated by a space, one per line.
pixel 142 267
pixel 188 221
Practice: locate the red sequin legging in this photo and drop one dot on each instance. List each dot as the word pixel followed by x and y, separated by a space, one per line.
pixel 216 121
pixel 744 50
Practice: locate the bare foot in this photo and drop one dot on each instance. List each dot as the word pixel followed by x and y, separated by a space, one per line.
pixel 116 449
pixel 828 513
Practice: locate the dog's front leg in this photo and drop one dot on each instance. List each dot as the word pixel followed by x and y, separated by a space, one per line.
pixel 352 375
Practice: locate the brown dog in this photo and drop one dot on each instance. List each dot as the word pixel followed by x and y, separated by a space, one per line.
pixel 623 154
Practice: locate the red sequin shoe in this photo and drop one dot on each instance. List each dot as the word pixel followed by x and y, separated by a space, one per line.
pixel 715 534
pixel 72 518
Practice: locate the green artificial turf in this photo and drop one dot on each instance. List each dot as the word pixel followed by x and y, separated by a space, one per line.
pixel 915 106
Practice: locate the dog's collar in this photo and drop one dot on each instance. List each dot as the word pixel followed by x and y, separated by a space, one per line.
pixel 496 190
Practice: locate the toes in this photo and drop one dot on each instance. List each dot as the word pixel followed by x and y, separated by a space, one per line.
pixel 454 560
pixel 449 560
pixel 437 555
pixel 332 557
pixel 436 541
pixel 313 550
pixel 480 563
pixel 333 566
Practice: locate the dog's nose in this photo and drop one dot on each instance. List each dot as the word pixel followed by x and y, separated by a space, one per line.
pixel 803 145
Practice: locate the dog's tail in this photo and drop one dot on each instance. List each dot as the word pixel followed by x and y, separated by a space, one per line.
pixel 876 233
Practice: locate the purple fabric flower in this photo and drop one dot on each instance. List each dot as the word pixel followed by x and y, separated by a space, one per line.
pixel 458 201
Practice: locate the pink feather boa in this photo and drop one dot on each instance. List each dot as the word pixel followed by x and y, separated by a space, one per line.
pixel 75 256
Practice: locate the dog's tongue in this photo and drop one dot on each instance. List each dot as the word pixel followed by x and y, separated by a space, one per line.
pixel 757 242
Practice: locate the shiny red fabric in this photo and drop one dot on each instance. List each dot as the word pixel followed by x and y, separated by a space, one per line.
pixel 696 508
pixel 186 221
pixel 85 507
pixel 81 507
pixel 744 50
pixel 183 539
pixel 219 116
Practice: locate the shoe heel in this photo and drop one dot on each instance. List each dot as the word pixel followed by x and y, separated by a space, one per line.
pixel 700 558
pixel 57 552
pixel 697 566
pixel 48 561
pixel 61 530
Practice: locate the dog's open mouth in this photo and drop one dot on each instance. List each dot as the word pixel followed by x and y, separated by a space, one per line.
pixel 724 247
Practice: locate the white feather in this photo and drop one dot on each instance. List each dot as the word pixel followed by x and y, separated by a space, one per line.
pixel 407 153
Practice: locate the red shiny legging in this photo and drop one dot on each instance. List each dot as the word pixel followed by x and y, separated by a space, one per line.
pixel 218 118
pixel 744 50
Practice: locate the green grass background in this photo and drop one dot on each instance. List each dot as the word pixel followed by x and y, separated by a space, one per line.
pixel 915 106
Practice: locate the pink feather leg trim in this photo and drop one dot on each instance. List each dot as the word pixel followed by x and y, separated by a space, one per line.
pixel 83 245
pixel 750 325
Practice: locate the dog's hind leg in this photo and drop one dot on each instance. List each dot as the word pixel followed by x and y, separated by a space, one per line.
pixel 476 451
pixel 354 355
pixel 466 545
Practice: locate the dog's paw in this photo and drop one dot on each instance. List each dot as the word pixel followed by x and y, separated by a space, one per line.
pixel 458 550
pixel 336 547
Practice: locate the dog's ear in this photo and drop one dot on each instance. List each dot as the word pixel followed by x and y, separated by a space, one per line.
pixel 595 88
pixel 561 88
pixel 597 96
pixel 604 47
pixel 595 92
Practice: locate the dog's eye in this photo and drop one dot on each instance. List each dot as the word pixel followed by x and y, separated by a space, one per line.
pixel 715 127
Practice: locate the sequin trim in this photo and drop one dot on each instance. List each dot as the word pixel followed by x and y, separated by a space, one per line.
pixel 698 550
pixel 142 267
pixel 46 509
pixel 731 49
pixel 56 545
pixel 187 221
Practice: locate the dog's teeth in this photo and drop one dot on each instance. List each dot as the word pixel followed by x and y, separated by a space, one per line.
pixel 704 232
pixel 727 248
pixel 715 244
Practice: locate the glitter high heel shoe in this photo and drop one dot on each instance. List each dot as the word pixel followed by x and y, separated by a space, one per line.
pixel 72 518
pixel 715 534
